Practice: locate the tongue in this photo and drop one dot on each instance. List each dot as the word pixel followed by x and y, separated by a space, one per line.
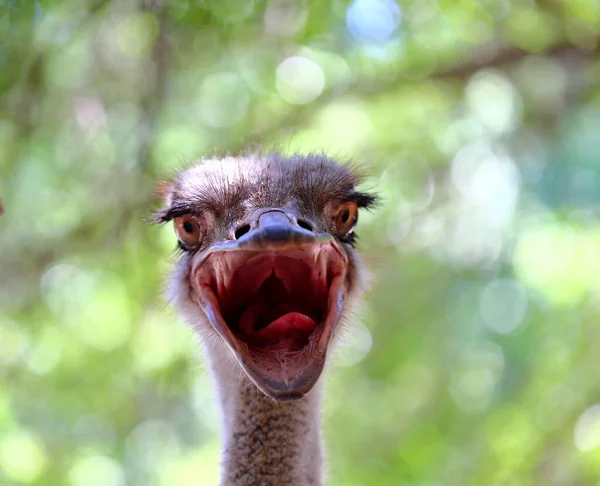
pixel 288 325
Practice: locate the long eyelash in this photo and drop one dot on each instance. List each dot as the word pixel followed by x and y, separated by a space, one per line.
pixel 363 200
pixel 161 216
pixel 167 214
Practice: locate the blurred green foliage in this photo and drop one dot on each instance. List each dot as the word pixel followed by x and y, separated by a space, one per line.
pixel 474 359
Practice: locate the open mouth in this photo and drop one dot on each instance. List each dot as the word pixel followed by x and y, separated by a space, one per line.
pixel 276 310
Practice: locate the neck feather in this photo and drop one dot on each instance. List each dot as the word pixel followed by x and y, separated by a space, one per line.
pixel 265 442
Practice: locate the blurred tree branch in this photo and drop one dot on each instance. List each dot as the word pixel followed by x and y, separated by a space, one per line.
pixel 497 58
pixel 504 58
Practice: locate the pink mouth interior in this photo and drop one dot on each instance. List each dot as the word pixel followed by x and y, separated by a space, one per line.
pixel 275 302
pixel 276 310
pixel 269 320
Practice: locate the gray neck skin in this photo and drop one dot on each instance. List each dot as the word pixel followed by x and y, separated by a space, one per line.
pixel 265 442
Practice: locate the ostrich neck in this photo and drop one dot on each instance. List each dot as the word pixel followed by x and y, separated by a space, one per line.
pixel 265 442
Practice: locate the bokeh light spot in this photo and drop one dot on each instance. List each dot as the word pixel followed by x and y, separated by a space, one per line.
pixel 343 127
pixel 96 471
pixel 559 260
pixel 22 456
pixel 373 20
pixel 299 80
pixel 94 303
pixel 489 180
pixel 587 429
pixel 503 305
pixel 495 101
pixel 157 344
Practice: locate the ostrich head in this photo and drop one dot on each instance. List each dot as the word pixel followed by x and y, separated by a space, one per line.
pixel 267 264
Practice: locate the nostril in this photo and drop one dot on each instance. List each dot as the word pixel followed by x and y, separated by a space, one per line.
pixel 241 231
pixel 305 224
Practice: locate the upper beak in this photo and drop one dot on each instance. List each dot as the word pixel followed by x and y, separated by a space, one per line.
pixel 272 229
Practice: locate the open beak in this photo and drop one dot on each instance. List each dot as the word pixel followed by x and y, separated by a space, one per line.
pixel 275 295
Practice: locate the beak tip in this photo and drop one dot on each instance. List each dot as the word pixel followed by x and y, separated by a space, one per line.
pixel 276 237
pixel 275 233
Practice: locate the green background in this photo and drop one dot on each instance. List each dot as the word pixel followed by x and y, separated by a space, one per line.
pixel 475 357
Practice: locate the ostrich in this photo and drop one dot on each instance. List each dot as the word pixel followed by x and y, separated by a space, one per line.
pixel 267 270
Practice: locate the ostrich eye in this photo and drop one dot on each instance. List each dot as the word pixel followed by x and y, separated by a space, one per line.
pixel 188 231
pixel 346 218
